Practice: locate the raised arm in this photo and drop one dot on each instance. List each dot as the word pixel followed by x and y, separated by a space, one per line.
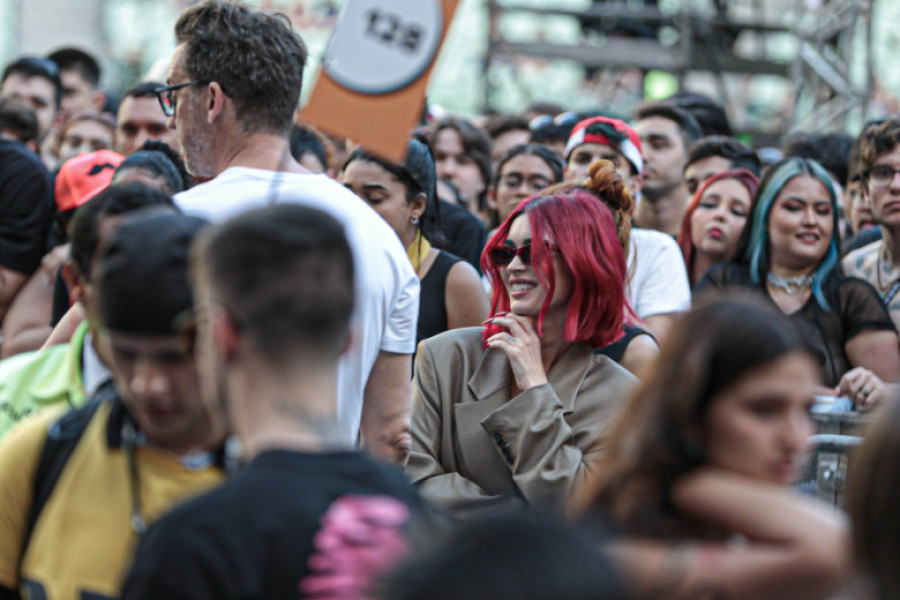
pixel 796 548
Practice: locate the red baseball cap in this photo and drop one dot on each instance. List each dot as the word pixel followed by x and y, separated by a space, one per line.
pixel 84 176
pixel 610 132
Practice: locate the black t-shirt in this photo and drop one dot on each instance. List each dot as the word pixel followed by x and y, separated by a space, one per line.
pixel 854 308
pixel 253 536
pixel 464 232
pixel 26 198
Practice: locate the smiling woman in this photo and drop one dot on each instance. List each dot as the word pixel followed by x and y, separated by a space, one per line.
pixel 515 413
pixel 790 252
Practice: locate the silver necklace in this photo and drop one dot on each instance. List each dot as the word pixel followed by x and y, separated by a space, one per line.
pixel 792 286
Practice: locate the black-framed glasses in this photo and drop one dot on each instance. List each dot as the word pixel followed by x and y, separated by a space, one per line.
pixel 166 95
pixel 881 176
pixel 504 255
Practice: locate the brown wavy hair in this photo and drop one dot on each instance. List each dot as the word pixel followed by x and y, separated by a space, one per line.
pixel 607 185
pixel 658 436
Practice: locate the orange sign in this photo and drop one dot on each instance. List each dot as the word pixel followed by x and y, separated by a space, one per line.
pixel 375 71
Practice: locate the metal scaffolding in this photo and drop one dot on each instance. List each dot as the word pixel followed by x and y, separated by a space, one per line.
pixel 832 37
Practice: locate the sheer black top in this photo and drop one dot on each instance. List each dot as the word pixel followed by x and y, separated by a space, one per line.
pixel 855 308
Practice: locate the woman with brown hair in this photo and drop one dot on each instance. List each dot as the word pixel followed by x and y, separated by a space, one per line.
pixel 696 470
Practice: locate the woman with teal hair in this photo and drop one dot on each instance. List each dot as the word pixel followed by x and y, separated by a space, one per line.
pixel 789 252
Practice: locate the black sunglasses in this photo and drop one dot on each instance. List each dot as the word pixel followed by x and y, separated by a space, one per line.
pixel 503 255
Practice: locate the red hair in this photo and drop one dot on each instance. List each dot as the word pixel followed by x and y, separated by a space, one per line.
pixel 745 177
pixel 583 229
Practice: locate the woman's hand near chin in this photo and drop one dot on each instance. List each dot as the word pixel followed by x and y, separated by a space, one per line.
pixel 522 347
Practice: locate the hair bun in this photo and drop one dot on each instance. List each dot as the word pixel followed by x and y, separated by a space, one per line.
pixel 605 182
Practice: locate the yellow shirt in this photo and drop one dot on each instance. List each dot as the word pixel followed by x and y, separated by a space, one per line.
pixel 83 541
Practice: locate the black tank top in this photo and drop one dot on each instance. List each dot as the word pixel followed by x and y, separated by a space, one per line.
pixel 432 308
pixel 616 350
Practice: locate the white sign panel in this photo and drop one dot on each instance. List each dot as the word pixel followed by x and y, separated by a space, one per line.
pixel 380 46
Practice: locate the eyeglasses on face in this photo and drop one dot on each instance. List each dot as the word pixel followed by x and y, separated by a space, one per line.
pixel 882 175
pixel 166 95
pixel 504 255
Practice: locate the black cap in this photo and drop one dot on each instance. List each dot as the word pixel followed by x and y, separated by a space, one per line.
pixel 143 274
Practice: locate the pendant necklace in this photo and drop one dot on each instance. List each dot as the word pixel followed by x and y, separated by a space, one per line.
pixel 792 286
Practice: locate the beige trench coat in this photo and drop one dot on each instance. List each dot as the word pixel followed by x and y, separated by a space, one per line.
pixel 474 449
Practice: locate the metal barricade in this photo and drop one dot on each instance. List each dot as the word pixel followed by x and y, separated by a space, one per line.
pixel 824 472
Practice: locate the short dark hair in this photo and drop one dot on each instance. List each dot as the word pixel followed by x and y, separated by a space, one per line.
pixel 475 142
pixel 18 118
pixel 739 154
pixel 687 125
pixel 307 140
pixel 160 160
pixel 497 125
pixel 145 89
pixel 31 66
pixel 878 137
pixel 255 56
pixel 709 114
pixel 284 273
pixel 73 59
pixel 115 200
pixel 831 150
pixel 509 557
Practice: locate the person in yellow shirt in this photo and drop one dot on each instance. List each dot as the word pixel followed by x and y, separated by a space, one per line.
pixel 77 491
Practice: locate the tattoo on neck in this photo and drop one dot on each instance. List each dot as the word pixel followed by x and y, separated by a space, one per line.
pixel 322 426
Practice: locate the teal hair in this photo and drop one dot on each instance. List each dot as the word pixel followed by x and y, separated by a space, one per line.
pixel 756 252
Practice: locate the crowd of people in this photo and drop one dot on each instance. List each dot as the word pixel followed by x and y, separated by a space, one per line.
pixel 548 355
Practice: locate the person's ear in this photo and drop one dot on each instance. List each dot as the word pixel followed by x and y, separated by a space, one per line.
pixel 71 274
pixel 99 100
pixel 226 335
pixel 216 103
pixel 418 205
pixel 492 198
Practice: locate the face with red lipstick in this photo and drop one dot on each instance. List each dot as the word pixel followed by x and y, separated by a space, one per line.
pixel 801 224
pixel 719 219
pixel 759 426
pixel 526 291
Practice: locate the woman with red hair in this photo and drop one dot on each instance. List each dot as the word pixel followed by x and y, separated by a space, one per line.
pixel 715 220
pixel 515 413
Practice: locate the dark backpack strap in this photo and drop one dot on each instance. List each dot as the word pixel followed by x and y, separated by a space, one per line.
pixel 63 436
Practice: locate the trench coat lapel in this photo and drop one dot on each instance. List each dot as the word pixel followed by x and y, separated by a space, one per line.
pixel 488 390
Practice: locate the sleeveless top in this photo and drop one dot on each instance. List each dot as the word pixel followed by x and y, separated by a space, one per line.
pixel 616 350
pixel 432 307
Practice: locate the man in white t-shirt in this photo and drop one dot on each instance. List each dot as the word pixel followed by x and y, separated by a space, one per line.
pixel 232 89
pixel 658 286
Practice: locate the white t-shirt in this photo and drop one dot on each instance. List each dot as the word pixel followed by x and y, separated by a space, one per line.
pixel 657 278
pixel 387 289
